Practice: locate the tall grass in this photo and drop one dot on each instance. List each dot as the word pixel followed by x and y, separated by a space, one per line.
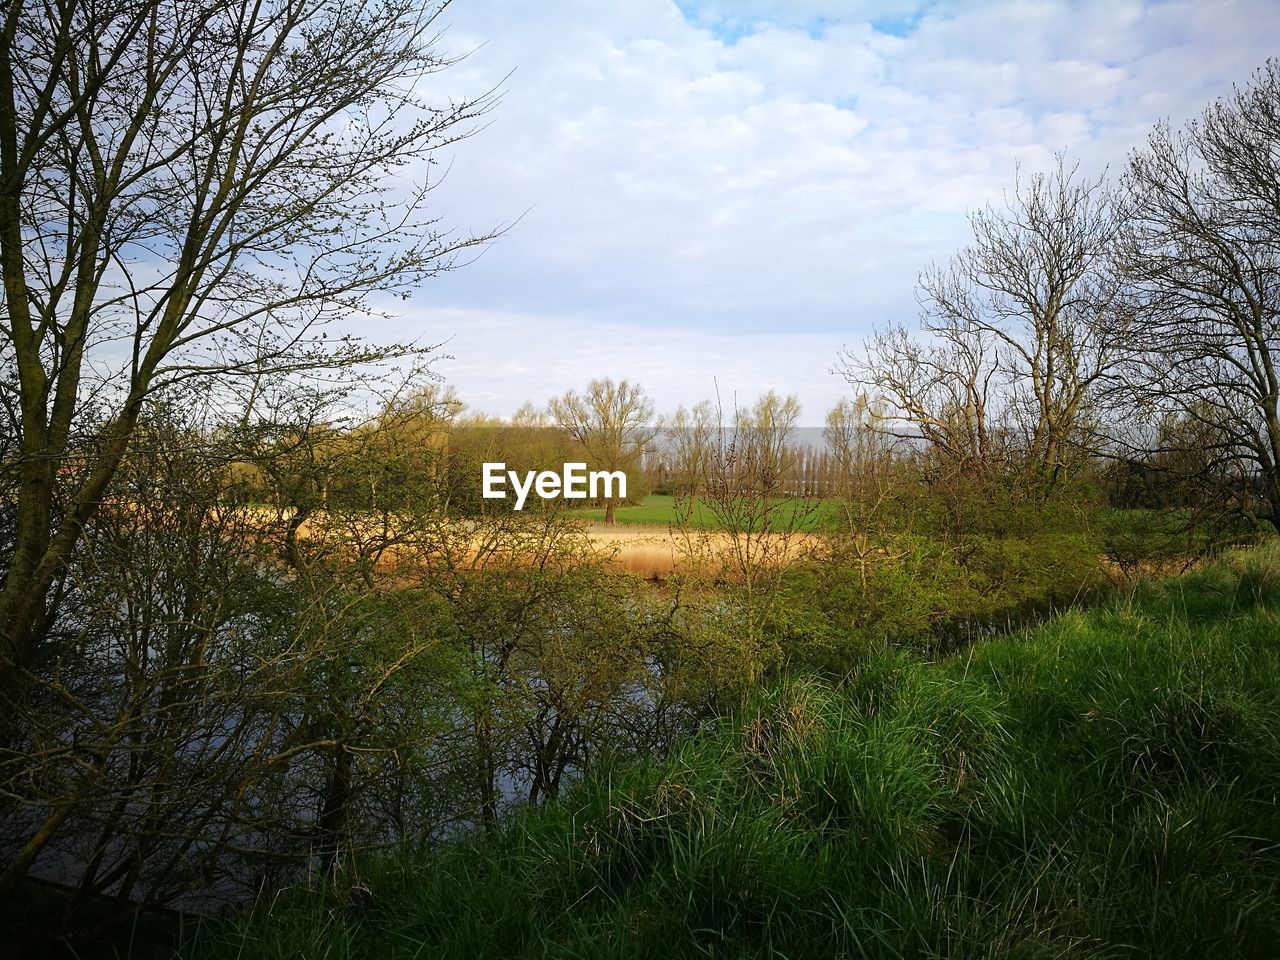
pixel 1104 785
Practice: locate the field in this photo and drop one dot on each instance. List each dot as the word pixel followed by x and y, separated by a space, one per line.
pixel 655 553
pixel 1104 785
pixel 659 510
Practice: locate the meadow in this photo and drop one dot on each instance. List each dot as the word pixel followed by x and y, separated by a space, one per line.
pixel 1103 785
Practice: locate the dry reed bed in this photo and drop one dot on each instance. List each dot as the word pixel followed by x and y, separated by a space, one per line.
pixel 653 553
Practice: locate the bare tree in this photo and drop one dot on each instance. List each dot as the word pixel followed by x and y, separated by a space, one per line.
pixel 1019 328
pixel 941 392
pixel 691 435
pixel 612 421
pixel 1204 258
pixel 188 191
pixel 864 471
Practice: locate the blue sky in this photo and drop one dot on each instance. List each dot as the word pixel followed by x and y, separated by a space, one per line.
pixel 720 194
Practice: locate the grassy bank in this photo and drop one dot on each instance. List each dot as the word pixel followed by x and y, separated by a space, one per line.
pixel 1102 786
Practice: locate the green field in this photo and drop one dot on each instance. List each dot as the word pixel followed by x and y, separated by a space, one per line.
pixel 658 510
pixel 1102 786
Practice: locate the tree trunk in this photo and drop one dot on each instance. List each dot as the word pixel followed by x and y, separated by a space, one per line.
pixel 41 553
pixel 333 816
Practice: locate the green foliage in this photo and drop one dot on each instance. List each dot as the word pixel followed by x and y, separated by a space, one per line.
pixel 1137 538
pixel 918 590
pixel 1103 785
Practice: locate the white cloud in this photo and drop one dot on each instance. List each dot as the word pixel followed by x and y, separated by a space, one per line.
pixel 770 176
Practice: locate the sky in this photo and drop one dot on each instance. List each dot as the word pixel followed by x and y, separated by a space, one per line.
pixel 714 197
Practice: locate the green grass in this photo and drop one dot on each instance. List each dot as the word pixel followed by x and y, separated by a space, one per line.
pixel 1103 786
pixel 658 510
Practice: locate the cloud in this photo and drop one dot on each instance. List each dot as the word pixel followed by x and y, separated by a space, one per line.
pixel 766 175
pixel 498 360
